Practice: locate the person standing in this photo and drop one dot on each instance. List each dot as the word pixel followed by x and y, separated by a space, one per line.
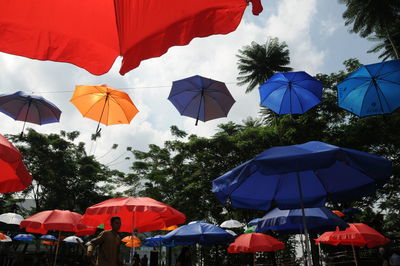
pixel 144 261
pixel 184 258
pixel 109 244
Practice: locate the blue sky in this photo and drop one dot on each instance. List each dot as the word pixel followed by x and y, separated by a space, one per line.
pixel 314 30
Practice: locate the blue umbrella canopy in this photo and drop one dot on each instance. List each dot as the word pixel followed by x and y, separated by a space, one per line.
pixel 48 238
pixel 372 89
pixel 291 92
pixel 318 170
pixel 200 233
pixel 24 237
pixel 201 98
pixel 319 220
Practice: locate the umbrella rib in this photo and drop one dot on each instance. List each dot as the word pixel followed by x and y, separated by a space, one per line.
pixel 390 81
pixel 189 103
pixel 302 107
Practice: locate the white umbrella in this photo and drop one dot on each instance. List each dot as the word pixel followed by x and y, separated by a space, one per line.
pixel 231 224
pixel 73 239
pixel 11 218
pixel 231 232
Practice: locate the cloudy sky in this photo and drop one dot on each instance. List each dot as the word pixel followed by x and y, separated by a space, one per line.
pixel 314 30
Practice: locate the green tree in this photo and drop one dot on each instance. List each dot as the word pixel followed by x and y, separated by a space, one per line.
pixel 383 43
pixel 371 16
pixel 64 176
pixel 258 62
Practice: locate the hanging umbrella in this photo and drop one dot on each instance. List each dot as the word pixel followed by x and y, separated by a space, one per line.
pixel 13 174
pixel 24 237
pixel 92 35
pixel 231 224
pixel 29 108
pixel 57 220
pixel 3 236
pixel 129 239
pixel 201 98
pixel 290 92
pixel 5 239
pixel 48 238
pixel 357 234
pixel 73 240
pixel 318 220
pixel 10 221
pixel 104 104
pixel 199 232
pixel 338 213
pixel 372 89
pixel 255 242
pixel 300 176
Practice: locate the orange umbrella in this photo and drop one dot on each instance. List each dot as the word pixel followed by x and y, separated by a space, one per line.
pixel 134 244
pixel 338 213
pixel 2 236
pixel 170 228
pixel 104 104
pixel 129 239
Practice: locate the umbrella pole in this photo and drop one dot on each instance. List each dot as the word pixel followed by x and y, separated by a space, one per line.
pixel 302 247
pixel 101 115
pixel 354 254
pixel 58 244
pixel 198 110
pixel 303 216
pixel 26 117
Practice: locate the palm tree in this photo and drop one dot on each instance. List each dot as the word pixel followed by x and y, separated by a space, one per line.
pixel 368 16
pixel 258 62
pixel 383 42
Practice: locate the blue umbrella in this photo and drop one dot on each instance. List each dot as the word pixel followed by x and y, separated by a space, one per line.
pixel 24 237
pixel 198 232
pixel 29 108
pixel 201 98
pixel 253 222
pixel 319 220
pixel 48 238
pixel 290 92
pixel 372 89
pixel 302 175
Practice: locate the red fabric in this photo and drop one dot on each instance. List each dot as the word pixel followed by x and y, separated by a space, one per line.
pixel 13 174
pixel 143 214
pixel 57 220
pixel 357 234
pixel 255 242
pixel 257 7
pixel 92 33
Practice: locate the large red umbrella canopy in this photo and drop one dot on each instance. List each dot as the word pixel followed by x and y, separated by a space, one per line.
pixel 13 174
pixel 255 242
pixel 143 214
pixel 57 220
pixel 358 234
pixel 92 34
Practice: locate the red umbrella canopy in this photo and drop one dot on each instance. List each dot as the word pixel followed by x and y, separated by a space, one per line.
pixel 143 214
pixel 255 242
pixel 92 34
pixel 13 174
pixel 57 220
pixel 358 234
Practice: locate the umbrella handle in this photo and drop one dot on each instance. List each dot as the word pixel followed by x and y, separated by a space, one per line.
pixel 198 110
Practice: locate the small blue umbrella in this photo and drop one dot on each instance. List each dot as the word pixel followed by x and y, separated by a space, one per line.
pixel 201 98
pixel 319 220
pixel 48 238
pixel 24 237
pixel 290 92
pixel 29 108
pixel 372 89
pixel 200 233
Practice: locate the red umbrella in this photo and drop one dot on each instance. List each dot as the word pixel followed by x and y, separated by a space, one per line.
pixel 56 220
pixel 357 234
pixel 13 174
pixel 92 34
pixel 255 242
pixel 143 214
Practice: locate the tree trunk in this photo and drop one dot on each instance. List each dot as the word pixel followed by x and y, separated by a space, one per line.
pixel 314 250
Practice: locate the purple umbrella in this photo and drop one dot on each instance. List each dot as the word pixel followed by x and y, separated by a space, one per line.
pixel 29 108
pixel 201 98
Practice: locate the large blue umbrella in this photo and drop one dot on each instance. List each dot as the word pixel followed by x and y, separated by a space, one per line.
pixel 201 98
pixel 319 220
pixel 302 175
pixel 24 237
pixel 29 108
pixel 200 233
pixel 372 89
pixel 290 92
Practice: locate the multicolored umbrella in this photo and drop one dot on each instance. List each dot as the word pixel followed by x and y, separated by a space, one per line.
pixel 291 92
pixel 13 174
pixel 104 104
pixel 92 34
pixel 201 98
pixel 372 89
pixel 29 108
